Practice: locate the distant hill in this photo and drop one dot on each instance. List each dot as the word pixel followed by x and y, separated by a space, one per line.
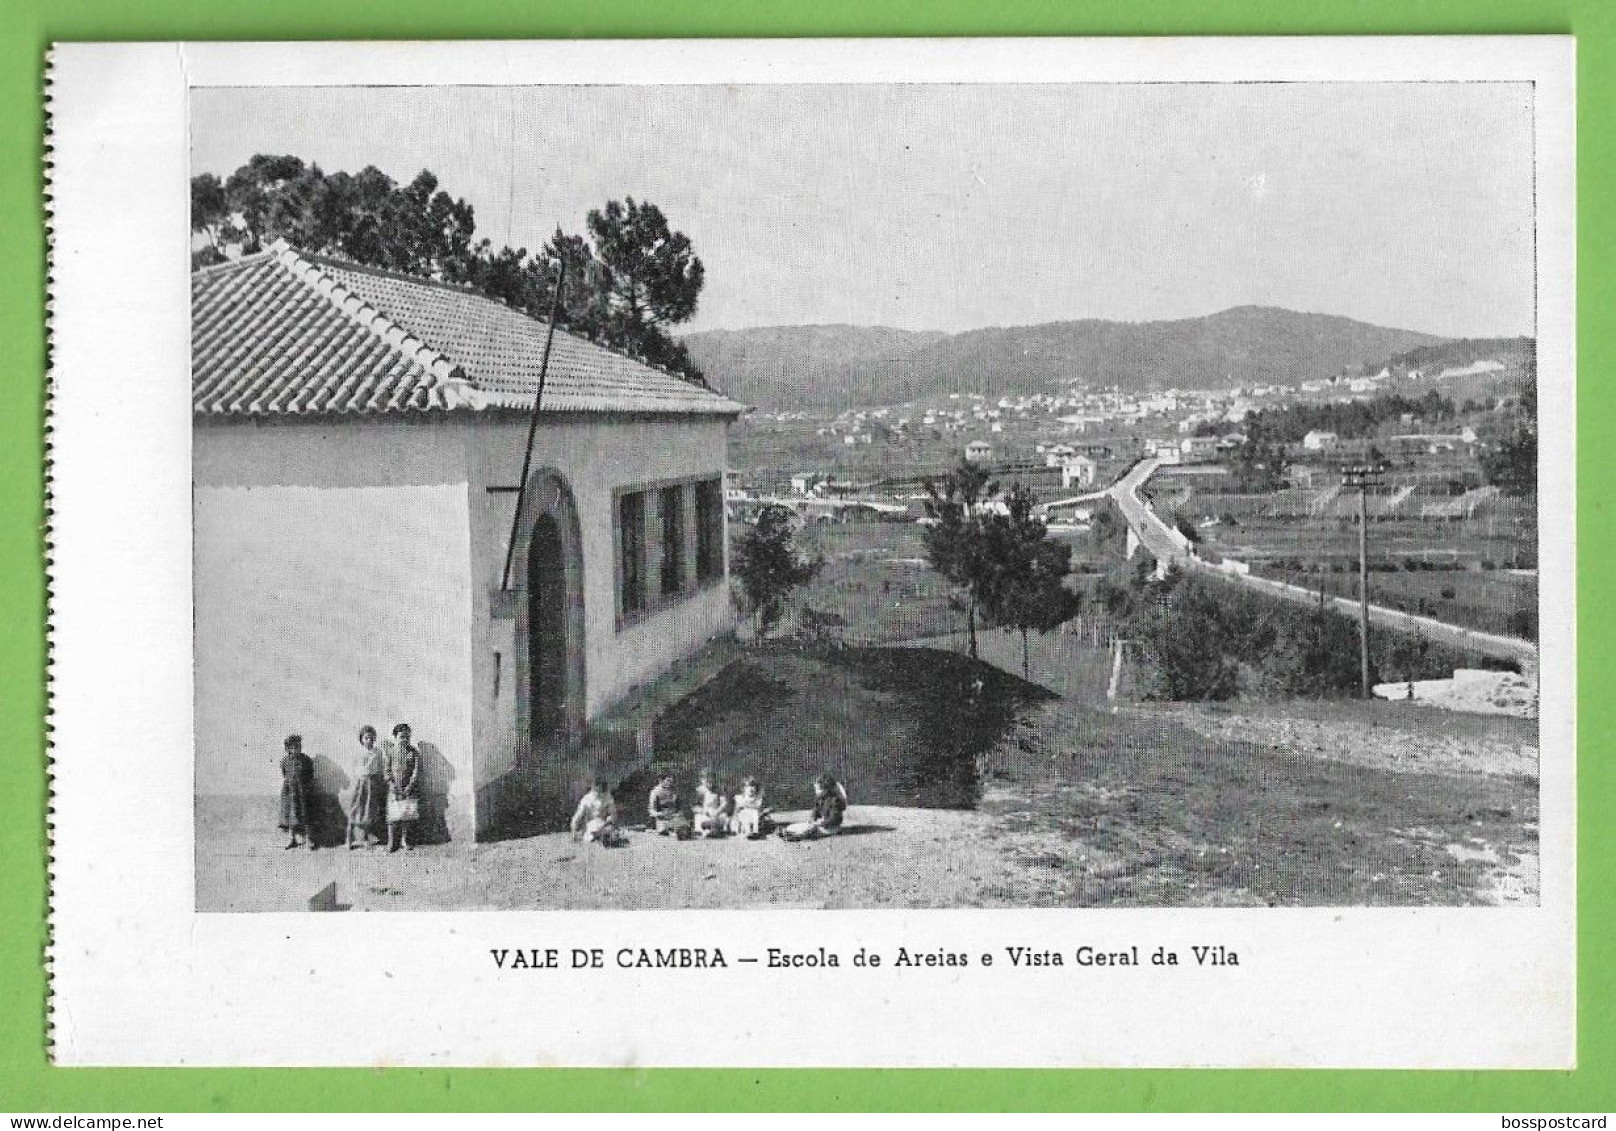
pixel 1460 352
pixel 778 366
pixel 849 366
pixel 1465 369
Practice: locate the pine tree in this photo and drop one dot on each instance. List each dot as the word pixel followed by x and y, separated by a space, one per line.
pixel 769 567
pixel 957 508
pixel 1028 591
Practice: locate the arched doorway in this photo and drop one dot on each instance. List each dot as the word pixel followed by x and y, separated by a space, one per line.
pixel 550 622
pixel 547 632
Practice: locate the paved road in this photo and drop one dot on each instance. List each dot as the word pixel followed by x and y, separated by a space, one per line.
pixel 1168 545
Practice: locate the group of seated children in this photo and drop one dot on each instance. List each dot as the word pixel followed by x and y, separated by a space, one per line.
pixel 714 814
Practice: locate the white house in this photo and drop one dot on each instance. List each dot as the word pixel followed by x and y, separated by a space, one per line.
pixel 1198 449
pixel 1078 471
pixel 1317 441
pixel 359 556
pixel 978 451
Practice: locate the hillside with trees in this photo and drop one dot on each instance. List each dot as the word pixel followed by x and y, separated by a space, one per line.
pixel 1460 352
pixel 1350 420
pixel 796 366
pixel 843 367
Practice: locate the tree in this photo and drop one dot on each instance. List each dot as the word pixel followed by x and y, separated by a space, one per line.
pixel 210 218
pixel 1108 532
pixel 627 283
pixel 1028 593
pixel 1408 657
pixel 651 275
pixel 1186 642
pixel 649 279
pixel 367 217
pixel 1313 654
pixel 1259 464
pixel 1186 526
pixel 1512 465
pixel 584 307
pixel 769 567
pixel 954 539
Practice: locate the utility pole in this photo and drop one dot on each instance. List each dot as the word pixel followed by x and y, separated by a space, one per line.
pixel 1363 477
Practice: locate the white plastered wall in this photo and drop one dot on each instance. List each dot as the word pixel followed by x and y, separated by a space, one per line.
pixel 332 589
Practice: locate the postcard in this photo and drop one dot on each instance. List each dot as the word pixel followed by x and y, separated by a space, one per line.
pixel 813 553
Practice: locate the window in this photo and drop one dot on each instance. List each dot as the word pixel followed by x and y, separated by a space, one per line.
pixel 631 552
pixel 672 509
pixel 709 530
pixel 670 543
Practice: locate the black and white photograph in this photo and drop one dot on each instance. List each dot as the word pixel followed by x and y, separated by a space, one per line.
pixel 865 496
pixel 677 526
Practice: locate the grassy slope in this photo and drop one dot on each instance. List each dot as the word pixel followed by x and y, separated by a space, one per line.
pixel 1128 808
pixel 897 725
pixel 1138 808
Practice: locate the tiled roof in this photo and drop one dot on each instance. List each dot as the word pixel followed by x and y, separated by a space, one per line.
pixel 284 333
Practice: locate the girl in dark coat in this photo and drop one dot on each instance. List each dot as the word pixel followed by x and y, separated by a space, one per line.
pixel 830 804
pixel 297 792
pixel 403 789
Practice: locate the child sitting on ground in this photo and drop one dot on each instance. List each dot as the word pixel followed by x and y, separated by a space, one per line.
pixel 830 803
pixel 710 817
pixel 750 812
pixel 666 817
pixel 596 818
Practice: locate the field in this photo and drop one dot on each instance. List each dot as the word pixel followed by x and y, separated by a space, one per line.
pixel 878 580
pixel 1478 573
pixel 1501 601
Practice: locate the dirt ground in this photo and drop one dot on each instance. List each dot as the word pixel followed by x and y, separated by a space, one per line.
pixel 888 857
pixel 1398 736
pixel 1338 804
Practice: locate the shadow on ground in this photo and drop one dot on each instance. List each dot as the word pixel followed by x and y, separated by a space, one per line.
pixel 898 726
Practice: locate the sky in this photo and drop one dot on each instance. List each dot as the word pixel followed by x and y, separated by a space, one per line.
pixel 952 207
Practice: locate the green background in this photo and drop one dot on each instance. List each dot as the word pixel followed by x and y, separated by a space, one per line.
pixel 27 1083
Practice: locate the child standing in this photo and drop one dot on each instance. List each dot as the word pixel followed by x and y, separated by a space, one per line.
pixel 830 803
pixel 297 792
pixel 403 789
pixel 596 818
pixel 367 806
pixel 749 810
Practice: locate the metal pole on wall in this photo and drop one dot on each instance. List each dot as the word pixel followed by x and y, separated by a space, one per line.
pixel 532 432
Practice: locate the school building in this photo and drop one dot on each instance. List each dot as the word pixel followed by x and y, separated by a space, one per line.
pixel 357 466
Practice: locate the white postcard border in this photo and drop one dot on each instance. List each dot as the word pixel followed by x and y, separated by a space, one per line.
pixel 140 978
